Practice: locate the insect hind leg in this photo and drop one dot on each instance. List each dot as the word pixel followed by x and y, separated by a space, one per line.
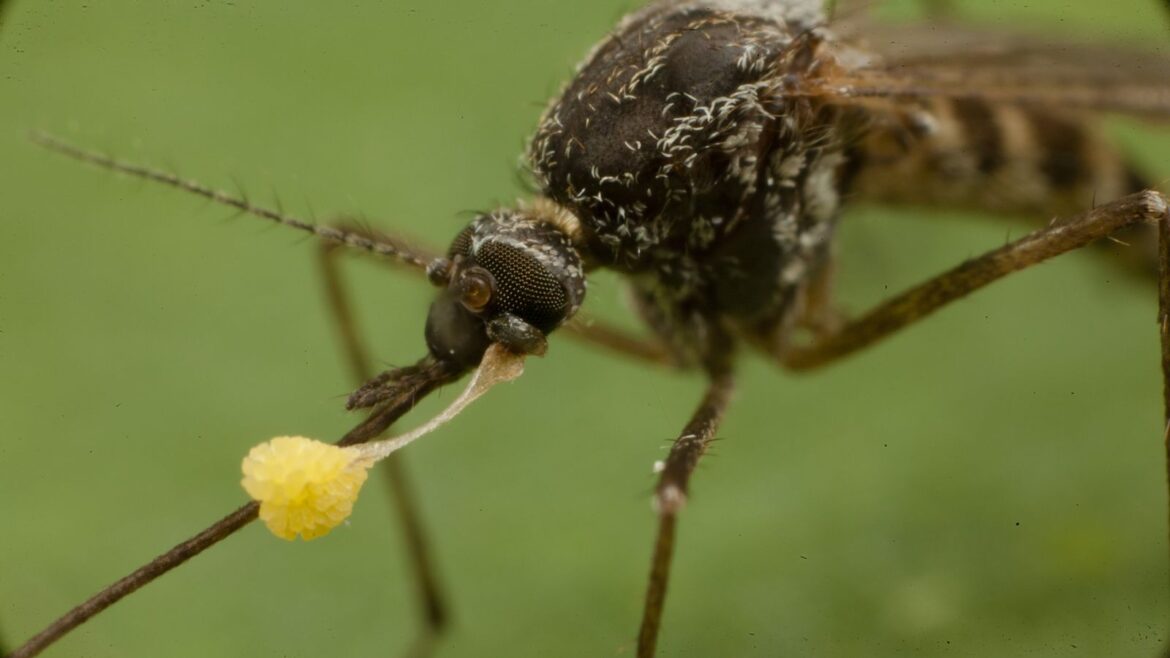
pixel 430 598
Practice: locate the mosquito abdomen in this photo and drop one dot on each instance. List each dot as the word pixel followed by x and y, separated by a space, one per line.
pixel 975 154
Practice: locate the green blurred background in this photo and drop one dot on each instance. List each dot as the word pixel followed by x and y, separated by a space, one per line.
pixel 987 484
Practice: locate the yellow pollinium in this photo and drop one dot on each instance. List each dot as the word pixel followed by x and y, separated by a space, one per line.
pixel 304 487
pixel 307 487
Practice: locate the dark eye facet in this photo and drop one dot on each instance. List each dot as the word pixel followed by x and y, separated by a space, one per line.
pixel 524 286
pixel 514 263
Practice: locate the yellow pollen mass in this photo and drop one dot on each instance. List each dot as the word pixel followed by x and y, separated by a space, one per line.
pixel 304 487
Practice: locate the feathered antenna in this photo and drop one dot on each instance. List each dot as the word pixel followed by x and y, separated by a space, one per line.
pixel 380 246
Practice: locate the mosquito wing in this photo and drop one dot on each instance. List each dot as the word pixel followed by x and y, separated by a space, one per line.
pixel 931 60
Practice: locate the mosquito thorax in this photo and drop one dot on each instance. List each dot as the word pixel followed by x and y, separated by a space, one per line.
pixel 511 276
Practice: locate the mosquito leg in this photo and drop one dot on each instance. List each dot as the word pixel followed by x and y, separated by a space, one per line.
pixel 1149 208
pixel 618 341
pixel 670 495
pixel 820 315
pixel 1164 329
pixel 920 301
pixel 430 599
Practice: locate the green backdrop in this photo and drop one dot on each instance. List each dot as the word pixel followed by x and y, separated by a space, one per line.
pixel 990 483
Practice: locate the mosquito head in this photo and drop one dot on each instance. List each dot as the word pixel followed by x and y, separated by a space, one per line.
pixel 511 276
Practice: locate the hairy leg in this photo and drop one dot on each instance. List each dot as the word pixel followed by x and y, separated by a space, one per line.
pixel 670 495
pixel 430 598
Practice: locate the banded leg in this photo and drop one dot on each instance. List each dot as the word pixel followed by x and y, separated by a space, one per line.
pixel 430 598
pixel 670 495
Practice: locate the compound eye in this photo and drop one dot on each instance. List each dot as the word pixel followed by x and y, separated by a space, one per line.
pixel 476 288
pixel 523 284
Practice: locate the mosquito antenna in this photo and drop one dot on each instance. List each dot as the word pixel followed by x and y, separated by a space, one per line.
pixel 379 246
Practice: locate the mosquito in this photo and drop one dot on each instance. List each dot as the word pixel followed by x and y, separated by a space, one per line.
pixel 704 152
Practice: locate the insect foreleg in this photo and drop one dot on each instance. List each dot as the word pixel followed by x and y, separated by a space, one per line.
pixel 430 597
pixel 670 495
